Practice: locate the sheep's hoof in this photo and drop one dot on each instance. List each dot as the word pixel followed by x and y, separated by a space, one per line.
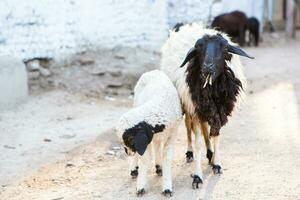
pixel 134 173
pixel 140 192
pixel 189 156
pixel 158 170
pixel 217 169
pixel 167 193
pixel 196 181
pixel 209 155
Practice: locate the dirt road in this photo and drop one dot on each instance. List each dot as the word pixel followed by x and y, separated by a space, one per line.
pixel 260 148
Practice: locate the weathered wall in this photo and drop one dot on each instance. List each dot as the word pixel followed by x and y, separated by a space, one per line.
pixel 53 28
pixel 188 11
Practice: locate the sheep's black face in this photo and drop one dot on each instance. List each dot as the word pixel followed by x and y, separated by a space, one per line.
pixel 212 52
pixel 137 138
pixel 128 139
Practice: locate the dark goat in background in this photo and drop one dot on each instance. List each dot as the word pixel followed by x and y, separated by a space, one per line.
pixel 253 28
pixel 234 24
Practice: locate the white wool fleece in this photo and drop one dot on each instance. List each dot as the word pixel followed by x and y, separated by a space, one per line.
pixel 156 102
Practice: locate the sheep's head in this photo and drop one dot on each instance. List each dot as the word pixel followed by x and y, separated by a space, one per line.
pixel 137 138
pixel 212 52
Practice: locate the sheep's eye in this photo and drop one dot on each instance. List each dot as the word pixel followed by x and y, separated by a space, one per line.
pixel 126 151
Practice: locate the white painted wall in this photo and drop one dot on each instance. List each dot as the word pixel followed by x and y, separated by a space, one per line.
pixel 188 11
pixel 55 28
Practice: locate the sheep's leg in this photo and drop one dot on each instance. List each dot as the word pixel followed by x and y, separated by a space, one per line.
pixel 205 133
pixel 197 177
pixel 189 152
pixel 167 173
pixel 256 36
pixel 158 160
pixel 133 166
pixel 242 36
pixel 217 169
pixel 144 162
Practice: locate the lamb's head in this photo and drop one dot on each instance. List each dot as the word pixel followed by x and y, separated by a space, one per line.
pixel 212 51
pixel 137 138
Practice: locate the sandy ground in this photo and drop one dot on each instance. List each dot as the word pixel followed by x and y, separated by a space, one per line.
pixel 48 126
pixel 260 146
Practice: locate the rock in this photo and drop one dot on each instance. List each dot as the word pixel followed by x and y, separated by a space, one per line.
pixel 33 75
pixel 65 136
pixel 114 72
pixel 33 65
pixel 86 61
pixel 98 72
pixel 115 84
pixel 116 148
pixel 110 152
pixel 44 72
pixel 108 98
pixel 70 165
pixel 13 77
pixel 47 140
pixel 120 57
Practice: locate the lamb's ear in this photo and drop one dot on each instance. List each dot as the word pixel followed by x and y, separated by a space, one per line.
pixel 192 53
pixel 237 50
pixel 140 142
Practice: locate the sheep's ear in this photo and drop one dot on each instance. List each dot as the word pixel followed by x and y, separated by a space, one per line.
pixel 192 53
pixel 237 50
pixel 140 142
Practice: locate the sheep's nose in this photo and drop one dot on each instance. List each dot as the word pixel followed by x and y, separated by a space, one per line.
pixel 208 68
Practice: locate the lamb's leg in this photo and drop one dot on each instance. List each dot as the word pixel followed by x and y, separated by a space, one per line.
pixel 133 166
pixel 189 152
pixel 197 177
pixel 205 133
pixel 158 160
pixel 167 173
pixel 144 162
pixel 217 169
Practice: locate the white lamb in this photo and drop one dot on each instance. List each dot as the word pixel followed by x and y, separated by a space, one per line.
pixel 153 121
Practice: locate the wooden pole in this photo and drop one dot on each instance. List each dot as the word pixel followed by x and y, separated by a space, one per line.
pixel 290 24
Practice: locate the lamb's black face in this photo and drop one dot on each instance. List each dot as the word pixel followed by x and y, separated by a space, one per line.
pixel 212 52
pixel 128 139
pixel 137 138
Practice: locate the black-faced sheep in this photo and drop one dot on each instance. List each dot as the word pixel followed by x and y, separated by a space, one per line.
pixel 152 122
pixel 233 23
pixel 253 30
pixel 209 86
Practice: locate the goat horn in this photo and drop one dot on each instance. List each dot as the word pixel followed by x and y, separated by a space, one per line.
pixel 192 52
pixel 237 50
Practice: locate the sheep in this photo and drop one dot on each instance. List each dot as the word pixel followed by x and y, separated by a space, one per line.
pixel 233 23
pixel 253 30
pixel 153 120
pixel 209 86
